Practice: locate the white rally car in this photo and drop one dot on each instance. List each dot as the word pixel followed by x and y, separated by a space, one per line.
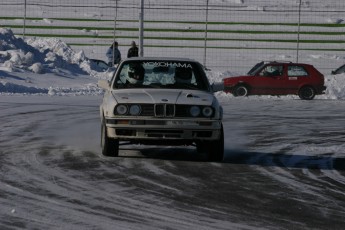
pixel 159 101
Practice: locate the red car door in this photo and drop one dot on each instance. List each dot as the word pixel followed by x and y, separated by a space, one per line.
pixel 269 80
pixel 296 76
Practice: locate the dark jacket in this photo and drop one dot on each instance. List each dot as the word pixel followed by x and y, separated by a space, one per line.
pixel 133 52
pixel 117 55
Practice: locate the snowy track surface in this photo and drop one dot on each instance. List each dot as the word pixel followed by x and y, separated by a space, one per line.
pixel 284 169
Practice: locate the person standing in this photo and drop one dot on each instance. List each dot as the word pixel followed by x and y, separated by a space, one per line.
pixel 133 51
pixel 113 54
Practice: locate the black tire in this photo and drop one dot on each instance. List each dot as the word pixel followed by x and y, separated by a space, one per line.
pixel 201 146
pixel 306 93
pixel 241 91
pixel 216 148
pixel 110 146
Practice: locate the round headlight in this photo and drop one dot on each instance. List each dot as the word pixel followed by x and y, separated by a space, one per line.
pixel 207 111
pixel 134 110
pixel 121 109
pixel 194 111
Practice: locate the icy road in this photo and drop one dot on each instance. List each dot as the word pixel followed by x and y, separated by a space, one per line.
pixel 284 168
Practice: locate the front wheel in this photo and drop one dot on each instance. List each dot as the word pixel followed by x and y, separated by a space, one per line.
pixel 214 149
pixel 240 91
pixel 110 146
pixel 306 93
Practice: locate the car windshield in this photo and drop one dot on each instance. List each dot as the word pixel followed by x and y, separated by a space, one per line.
pixel 161 74
pixel 255 68
pixel 340 70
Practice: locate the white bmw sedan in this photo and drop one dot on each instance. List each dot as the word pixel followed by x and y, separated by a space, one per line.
pixel 161 101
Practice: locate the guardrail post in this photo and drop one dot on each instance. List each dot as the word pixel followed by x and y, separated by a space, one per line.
pixel 298 29
pixel 141 29
pixel 205 41
pixel 24 24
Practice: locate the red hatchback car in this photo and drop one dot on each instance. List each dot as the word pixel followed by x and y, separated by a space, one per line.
pixel 278 78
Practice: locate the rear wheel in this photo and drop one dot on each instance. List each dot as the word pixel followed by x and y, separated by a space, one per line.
pixel 240 91
pixel 110 146
pixel 306 93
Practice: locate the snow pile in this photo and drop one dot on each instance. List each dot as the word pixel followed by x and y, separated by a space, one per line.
pixel 44 65
pixel 52 54
pixel 17 55
pixel 335 86
pixel 59 55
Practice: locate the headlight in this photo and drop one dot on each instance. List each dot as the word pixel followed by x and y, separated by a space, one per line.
pixel 207 111
pixel 121 109
pixel 194 111
pixel 134 110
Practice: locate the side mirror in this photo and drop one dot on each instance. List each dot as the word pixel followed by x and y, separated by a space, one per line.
pixel 104 84
pixel 217 86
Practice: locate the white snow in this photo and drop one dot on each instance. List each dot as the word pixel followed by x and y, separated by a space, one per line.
pixel 45 66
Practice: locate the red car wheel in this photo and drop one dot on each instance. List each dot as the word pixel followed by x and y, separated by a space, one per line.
pixel 240 91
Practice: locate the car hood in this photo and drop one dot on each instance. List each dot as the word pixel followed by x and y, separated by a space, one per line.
pixel 236 79
pixel 156 96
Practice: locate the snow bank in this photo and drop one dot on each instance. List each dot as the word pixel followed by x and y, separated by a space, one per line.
pixel 335 86
pixel 22 62
pixel 51 53
pixel 15 88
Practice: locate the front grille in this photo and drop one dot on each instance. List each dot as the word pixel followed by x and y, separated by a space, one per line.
pixel 164 110
pixel 169 110
pixel 159 110
pixel 147 110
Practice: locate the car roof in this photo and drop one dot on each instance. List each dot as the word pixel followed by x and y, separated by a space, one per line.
pixel 278 62
pixel 284 62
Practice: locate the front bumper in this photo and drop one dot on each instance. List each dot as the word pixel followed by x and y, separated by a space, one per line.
pixel 163 129
pixel 228 88
pixel 323 90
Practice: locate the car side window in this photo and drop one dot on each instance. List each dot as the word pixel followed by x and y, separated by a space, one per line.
pixel 272 70
pixel 294 71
